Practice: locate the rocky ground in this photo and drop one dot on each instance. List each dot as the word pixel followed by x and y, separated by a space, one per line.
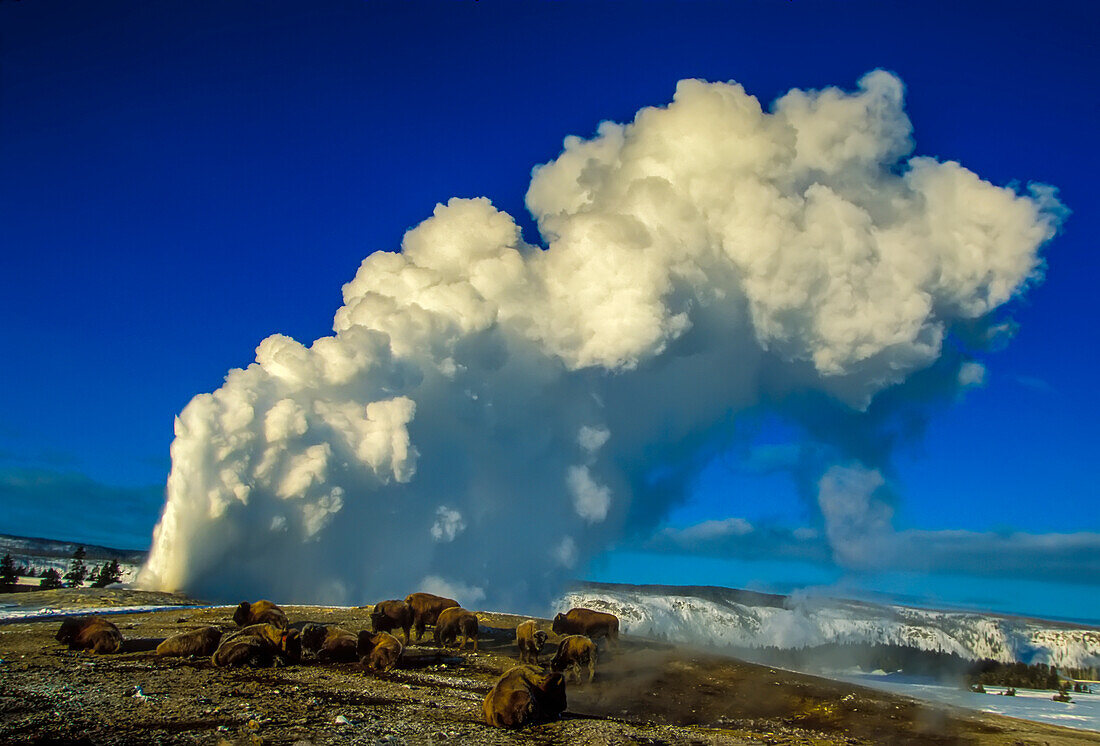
pixel 644 693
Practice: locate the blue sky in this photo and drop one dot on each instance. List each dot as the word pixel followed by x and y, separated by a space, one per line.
pixel 180 180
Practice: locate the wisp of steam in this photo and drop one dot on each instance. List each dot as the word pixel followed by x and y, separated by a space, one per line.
pixel 488 415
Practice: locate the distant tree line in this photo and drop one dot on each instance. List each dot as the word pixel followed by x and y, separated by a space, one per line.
pixel 1028 676
pixel 915 662
pixel 866 657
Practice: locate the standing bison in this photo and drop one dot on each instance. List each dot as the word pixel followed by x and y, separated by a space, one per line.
pixel 90 633
pixel 426 608
pixel 591 624
pixel 524 695
pixel 530 641
pixel 455 622
pixel 259 612
pixel 575 651
pixel 387 616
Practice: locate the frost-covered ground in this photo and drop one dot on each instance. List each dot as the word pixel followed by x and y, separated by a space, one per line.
pixel 1029 704
pixel 12 612
pixel 725 618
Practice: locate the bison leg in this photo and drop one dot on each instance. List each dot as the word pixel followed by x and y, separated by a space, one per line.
pixel 420 629
pixel 591 669
pixel 407 628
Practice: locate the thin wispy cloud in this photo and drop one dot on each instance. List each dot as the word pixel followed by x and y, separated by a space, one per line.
pixel 1056 557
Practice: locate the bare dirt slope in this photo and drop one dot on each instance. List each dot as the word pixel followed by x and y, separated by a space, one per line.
pixel 644 693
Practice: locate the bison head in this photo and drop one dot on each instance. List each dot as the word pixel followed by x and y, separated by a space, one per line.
pixel 313 637
pixel 70 628
pixel 365 643
pixel 549 692
pixel 557 627
pixel 291 645
pixel 240 616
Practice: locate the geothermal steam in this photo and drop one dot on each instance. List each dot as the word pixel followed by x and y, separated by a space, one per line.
pixel 488 414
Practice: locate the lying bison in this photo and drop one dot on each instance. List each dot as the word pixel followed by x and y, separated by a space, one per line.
pixel 524 695
pixel 591 624
pixel 390 615
pixel 196 642
pixel 90 633
pixel 329 642
pixel 575 651
pixel 259 612
pixel 530 641
pixel 379 651
pixel 259 646
pixel 455 622
pixel 426 608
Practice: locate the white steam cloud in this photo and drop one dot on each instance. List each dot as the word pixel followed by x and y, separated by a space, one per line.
pixel 488 414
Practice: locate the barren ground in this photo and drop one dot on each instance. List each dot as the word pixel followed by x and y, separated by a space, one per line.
pixel 644 693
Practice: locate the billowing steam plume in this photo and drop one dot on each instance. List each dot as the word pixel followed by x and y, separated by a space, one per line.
pixel 488 414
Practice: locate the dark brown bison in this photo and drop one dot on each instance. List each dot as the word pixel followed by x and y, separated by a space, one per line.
pixel 196 642
pixel 387 616
pixel 530 641
pixel 259 612
pixel 90 633
pixel 425 609
pixel 379 651
pixel 523 695
pixel 259 646
pixel 329 642
pixel 455 622
pixel 575 651
pixel 591 624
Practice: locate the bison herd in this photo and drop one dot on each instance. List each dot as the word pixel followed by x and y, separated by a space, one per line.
pixel 265 637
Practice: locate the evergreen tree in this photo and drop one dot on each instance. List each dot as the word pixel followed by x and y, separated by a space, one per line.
pixel 109 572
pixel 8 578
pixel 50 579
pixel 74 578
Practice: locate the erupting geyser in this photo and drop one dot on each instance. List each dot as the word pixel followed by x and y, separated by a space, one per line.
pixel 487 414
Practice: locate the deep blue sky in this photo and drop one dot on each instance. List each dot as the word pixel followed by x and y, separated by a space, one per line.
pixel 182 179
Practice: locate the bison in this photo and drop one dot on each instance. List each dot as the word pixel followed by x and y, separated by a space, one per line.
pixel 591 624
pixel 378 651
pixel 259 646
pixel 90 633
pixel 573 652
pixel 390 615
pixel 523 695
pixel 329 642
pixel 196 642
pixel 455 622
pixel 425 609
pixel 259 612
pixel 530 641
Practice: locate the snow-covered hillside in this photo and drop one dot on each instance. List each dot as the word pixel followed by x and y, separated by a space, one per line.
pixel 725 618
pixel 39 555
